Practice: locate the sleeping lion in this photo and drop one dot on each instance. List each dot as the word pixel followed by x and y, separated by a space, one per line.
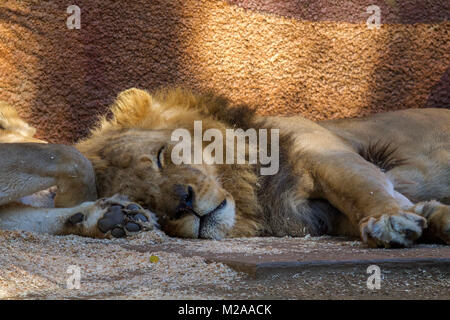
pixel 384 178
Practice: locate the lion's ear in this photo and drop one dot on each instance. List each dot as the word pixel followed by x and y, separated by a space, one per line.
pixel 132 107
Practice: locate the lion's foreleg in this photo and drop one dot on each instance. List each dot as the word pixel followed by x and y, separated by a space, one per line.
pixel 110 217
pixel 41 220
pixel 365 195
pixel 30 167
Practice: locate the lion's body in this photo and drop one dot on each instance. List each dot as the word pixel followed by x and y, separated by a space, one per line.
pixel 411 147
pixel 325 183
pixel 376 177
pixel 421 139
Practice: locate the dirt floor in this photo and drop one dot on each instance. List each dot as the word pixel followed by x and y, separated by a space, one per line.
pixel 154 266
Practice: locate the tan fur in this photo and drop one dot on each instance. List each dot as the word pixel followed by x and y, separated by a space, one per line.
pixel 326 183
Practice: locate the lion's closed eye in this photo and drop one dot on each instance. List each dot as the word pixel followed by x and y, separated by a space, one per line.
pixel 160 157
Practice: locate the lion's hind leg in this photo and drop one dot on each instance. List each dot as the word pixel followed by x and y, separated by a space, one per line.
pixel 27 168
pixel 438 220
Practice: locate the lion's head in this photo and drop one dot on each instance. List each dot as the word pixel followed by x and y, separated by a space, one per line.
pixel 132 155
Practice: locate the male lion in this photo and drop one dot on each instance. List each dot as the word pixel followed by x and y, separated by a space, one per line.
pixel 385 178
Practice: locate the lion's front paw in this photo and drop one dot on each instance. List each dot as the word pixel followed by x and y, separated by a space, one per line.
pixel 111 217
pixel 392 231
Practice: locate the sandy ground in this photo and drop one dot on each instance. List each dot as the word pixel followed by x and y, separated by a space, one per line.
pixel 36 266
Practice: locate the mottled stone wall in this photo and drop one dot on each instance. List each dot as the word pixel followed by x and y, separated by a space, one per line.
pixel 317 58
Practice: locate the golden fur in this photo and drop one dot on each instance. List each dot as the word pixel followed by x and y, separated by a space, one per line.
pixel 370 177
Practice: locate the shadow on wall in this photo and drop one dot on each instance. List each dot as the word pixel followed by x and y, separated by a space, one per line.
pixel 320 59
pixel 402 67
pixel 393 11
pixel 314 58
pixel 78 73
pixel 393 78
pixel 127 44
pixel 440 94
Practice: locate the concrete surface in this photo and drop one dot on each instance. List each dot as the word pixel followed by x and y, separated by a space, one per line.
pixel 152 265
pixel 288 256
pixel 320 268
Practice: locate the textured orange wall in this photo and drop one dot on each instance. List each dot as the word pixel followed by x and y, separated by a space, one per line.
pixel 317 58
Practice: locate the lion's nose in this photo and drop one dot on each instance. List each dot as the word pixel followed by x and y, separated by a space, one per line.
pixel 187 196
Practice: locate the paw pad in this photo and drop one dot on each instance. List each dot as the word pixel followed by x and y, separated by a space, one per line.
pixel 76 218
pixel 120 219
